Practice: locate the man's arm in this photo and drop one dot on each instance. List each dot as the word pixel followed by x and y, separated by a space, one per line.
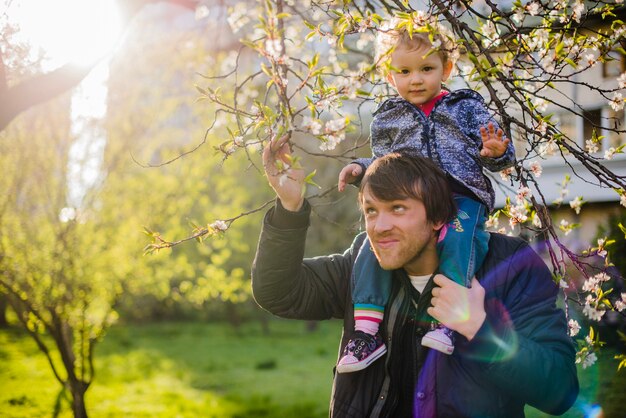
pixel 286 284
pixel 282 281
pixel 524 339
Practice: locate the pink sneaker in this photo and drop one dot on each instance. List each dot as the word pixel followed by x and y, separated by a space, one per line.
pixel 361 351
pixel 440 339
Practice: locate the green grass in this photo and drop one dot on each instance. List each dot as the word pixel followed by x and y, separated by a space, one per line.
pixel 183 370
pixel 208 370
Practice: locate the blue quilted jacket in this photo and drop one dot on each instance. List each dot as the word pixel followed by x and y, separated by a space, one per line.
pixel 450 136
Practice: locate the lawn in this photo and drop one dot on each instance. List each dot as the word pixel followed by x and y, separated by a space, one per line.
pixel 210 370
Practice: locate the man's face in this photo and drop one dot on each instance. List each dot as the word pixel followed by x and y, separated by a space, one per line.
pixel 418 77
pixel 400 234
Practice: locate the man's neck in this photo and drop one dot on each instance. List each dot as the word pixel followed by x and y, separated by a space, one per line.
pixel 426 262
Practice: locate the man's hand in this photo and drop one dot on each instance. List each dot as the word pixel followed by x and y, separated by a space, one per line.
pixel 348 175
pixel 457 307
pixel 286 181
pixel 494 143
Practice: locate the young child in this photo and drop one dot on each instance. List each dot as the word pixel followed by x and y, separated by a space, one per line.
pixel 454 129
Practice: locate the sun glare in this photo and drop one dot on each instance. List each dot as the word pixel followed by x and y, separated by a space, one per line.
pixel 79 31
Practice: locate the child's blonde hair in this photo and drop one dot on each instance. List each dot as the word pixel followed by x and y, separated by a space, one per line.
pixel 414 31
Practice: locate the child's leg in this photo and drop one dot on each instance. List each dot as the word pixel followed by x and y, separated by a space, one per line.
pixel 371 286
pixel 462 248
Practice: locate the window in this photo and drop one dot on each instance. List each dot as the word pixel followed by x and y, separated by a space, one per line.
pixel 615 120
pixel 592 121
pixel 566 123
pixel 614 65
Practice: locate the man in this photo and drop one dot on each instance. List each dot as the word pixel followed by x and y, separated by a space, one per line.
pixel 513 348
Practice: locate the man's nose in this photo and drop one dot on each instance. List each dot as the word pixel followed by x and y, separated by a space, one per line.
pixel 383 223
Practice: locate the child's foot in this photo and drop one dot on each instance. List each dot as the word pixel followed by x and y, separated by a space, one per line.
pixel 440 339
pixel 361 351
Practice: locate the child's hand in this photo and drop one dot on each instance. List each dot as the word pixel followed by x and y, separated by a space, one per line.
pixel 348 175
pixel 494 143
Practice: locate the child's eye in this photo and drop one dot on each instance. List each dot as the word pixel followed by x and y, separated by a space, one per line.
pixel 403 71
pixel 427 69
pixel 398 208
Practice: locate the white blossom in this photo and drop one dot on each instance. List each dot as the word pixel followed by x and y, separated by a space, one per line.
pixel 602 277
pixel 533 8
pixel 506 173
pixel 548 149
pixel 274 48
pixel 518 17
pixel 565 227
pixel 617 102
pixel 593 313
pixel 591 284
pixel 490 33
pixel 312 125
pixel 219 226
pixel 524 193
pixel 577 10
pixel 492 222
pixel 621 80
pixel 238 17
pixel 541 127
pixel 590 59
pixel 536 169
pixel 608 154
pixel 591 146
pixel 576 204
pixel 574 327
pixel 601 251
pixel 332 141
pixel 537 220
pixel 540 104
pixel 364 40
pixel 336 125
pixel 518 214
pixel 589 360
pixel 620 305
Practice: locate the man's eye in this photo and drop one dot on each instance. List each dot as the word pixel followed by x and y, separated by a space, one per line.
pixel 369 211
pixel 398 208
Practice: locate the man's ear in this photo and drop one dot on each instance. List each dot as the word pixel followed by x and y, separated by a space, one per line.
pixel 447 70
pixel 438 225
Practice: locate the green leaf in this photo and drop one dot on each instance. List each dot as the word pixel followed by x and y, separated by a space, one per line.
pixel 309 179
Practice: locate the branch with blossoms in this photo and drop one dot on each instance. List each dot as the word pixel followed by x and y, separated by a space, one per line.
pixel 308 70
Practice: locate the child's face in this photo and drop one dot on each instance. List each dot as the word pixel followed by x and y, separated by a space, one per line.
pixel 418 78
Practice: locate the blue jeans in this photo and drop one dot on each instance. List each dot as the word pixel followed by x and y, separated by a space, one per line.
pixel 462 247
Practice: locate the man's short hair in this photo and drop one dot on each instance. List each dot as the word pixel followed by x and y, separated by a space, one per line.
pixel 399 176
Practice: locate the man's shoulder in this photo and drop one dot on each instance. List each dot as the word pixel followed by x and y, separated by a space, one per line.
pixel 497 239
pixel 504 246
pixel 513 251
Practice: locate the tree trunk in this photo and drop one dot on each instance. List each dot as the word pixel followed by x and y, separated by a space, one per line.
pixel 4 304
pixel 78 390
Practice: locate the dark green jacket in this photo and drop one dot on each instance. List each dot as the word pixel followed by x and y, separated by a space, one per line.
pixel 521 355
